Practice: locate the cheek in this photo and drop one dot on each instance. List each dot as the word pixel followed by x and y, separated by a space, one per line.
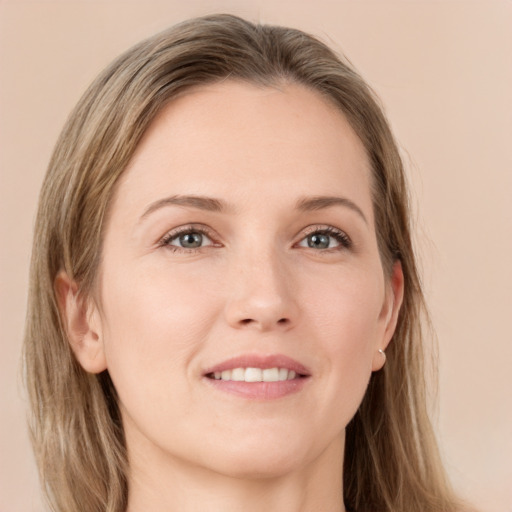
pixel 153 328
pixel 172 307
pixel 348 321
pixel 348 310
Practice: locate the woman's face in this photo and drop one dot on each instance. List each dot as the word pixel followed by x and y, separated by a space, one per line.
pixel 242 236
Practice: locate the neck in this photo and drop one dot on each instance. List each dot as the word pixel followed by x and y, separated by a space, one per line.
pixel 177 485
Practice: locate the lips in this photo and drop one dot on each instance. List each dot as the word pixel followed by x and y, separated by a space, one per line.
pixel 258 377
pixel 261 362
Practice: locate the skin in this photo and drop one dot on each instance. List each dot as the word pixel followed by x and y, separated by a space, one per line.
pixel 164 314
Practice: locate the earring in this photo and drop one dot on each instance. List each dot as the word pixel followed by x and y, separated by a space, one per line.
pixel 383 353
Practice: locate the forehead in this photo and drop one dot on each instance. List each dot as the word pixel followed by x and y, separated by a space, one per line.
pixel 239 139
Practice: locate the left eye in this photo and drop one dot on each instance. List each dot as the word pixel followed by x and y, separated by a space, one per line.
pixel 325 239
pixel 189 240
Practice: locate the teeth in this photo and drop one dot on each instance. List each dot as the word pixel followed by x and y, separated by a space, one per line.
pixel 238 374
pixel 270 375
pixel 252 374
pixel 256 374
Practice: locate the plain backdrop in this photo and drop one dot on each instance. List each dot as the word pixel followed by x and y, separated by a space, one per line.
pixel 444 72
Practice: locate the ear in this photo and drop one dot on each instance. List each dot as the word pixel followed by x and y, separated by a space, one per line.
pixel 82 322
pixel 389 313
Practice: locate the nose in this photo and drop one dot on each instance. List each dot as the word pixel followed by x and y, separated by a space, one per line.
pixel 262 295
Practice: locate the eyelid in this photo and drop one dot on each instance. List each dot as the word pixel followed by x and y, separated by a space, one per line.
pixel 344 240
pixel 341 236
pixel 187 228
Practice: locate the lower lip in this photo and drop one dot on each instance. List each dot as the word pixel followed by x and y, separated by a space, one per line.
pixel 259 390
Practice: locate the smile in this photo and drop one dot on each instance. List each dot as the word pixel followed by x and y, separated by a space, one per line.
pixel 255 375
pixel 258 377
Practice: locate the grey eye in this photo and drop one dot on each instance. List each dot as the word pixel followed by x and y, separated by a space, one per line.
pixel 326 238
pixel 318 241
pixel 190 240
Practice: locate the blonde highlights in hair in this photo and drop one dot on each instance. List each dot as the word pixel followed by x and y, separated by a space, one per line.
pixel 391 458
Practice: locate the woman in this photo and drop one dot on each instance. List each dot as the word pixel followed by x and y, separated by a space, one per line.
pixel 225 309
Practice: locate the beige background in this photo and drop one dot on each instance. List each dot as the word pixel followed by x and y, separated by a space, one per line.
pixel 444 72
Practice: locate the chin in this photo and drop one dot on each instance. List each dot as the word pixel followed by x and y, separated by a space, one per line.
pixel 260 467
pixel 261 458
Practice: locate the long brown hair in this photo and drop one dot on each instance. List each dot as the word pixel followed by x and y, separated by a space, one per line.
pixel 391 457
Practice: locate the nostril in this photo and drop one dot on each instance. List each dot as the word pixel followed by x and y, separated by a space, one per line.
pixel 247 321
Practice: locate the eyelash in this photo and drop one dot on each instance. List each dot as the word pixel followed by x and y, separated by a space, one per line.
pixel 183 230
pixel 341 237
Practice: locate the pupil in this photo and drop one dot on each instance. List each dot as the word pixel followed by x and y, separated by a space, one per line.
pixel 319 241
pixel 191 240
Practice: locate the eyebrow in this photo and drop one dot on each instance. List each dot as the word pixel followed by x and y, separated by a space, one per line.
pixel 200 202
pixel 211 204
pixel 308 204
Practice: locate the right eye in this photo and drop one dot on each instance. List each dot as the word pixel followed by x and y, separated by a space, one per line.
pixel 187 239
pixel 191 240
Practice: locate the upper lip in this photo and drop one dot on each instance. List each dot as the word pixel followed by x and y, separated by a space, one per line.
pixel 259 361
